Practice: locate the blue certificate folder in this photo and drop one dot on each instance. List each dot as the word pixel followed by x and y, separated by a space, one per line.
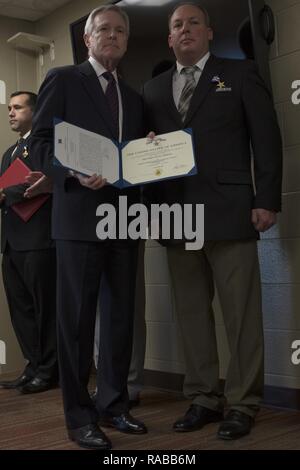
pixel 124 164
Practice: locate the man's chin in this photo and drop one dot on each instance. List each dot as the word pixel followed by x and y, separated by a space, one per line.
pixel 114 53
pixel 188 47
pixel 113 57
pixel 109 56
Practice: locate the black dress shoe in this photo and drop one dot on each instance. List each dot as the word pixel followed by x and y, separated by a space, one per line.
pixel 123 423
pixel 196 417
pixel 236 424
pixel 37 385
pixel 19 382
pixel 90 437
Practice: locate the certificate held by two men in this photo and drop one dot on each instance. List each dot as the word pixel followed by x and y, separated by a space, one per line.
pixel 127 163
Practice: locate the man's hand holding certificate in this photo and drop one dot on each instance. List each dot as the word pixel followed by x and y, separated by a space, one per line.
pixel 128 163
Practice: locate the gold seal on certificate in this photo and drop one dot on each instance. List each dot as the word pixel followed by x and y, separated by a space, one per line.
pixel 124 164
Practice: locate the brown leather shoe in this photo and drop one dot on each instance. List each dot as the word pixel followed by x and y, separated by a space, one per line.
pixel 90 437
pixel 195 418
pixel 123 423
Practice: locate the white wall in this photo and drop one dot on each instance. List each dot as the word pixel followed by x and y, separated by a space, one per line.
pixel 17 71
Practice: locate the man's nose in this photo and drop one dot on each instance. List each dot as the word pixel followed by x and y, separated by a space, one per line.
pixel 112 33
pixel 185 26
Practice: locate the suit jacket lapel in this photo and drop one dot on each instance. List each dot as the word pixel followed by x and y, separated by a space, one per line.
pixel 8 157
pixel 94 90
pixel 212 68
pixel 126 108
pixel 167 88
pixel 6 161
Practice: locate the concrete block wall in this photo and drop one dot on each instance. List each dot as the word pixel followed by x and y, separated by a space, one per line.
pixel 280 247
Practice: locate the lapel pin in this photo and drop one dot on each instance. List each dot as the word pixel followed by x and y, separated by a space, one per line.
pixel 25 152
pixel 221 86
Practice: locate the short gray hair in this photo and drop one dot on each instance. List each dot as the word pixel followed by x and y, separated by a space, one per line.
pixel 197 5
pixel 89 25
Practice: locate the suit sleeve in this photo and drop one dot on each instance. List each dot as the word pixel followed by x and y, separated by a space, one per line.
pixel 50 105
pixel 265 140
pixel 14 194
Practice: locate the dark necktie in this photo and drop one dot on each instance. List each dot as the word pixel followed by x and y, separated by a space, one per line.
pixel 187 91
pixel 111 94
pixel 17 152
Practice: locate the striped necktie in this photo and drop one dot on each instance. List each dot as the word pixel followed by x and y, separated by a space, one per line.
pixel 17 152
pixel 188 90
pixel 111 94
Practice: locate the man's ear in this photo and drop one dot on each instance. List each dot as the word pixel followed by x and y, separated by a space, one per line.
pixel 210 34
pixel 86 39
pixel 170 42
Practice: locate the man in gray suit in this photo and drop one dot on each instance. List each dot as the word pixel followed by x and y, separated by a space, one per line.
pixel 227 105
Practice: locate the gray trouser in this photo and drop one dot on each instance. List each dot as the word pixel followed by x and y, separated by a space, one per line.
pixel 233 267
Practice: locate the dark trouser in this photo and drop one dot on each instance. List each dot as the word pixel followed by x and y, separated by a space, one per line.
pixel 136 370
pixel 29 279
pixel 233 266
pixel 80 266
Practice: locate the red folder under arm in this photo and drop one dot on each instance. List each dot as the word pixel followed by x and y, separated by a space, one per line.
pixel 15 174
pixel 26 209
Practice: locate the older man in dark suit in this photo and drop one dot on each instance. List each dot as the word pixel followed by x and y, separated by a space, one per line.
pixel 28 264
pixel 228 107
pixel 92 96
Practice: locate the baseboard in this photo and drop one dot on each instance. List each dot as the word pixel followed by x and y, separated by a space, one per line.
pixel 163 380
pixel 277 397
pixel 281 397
